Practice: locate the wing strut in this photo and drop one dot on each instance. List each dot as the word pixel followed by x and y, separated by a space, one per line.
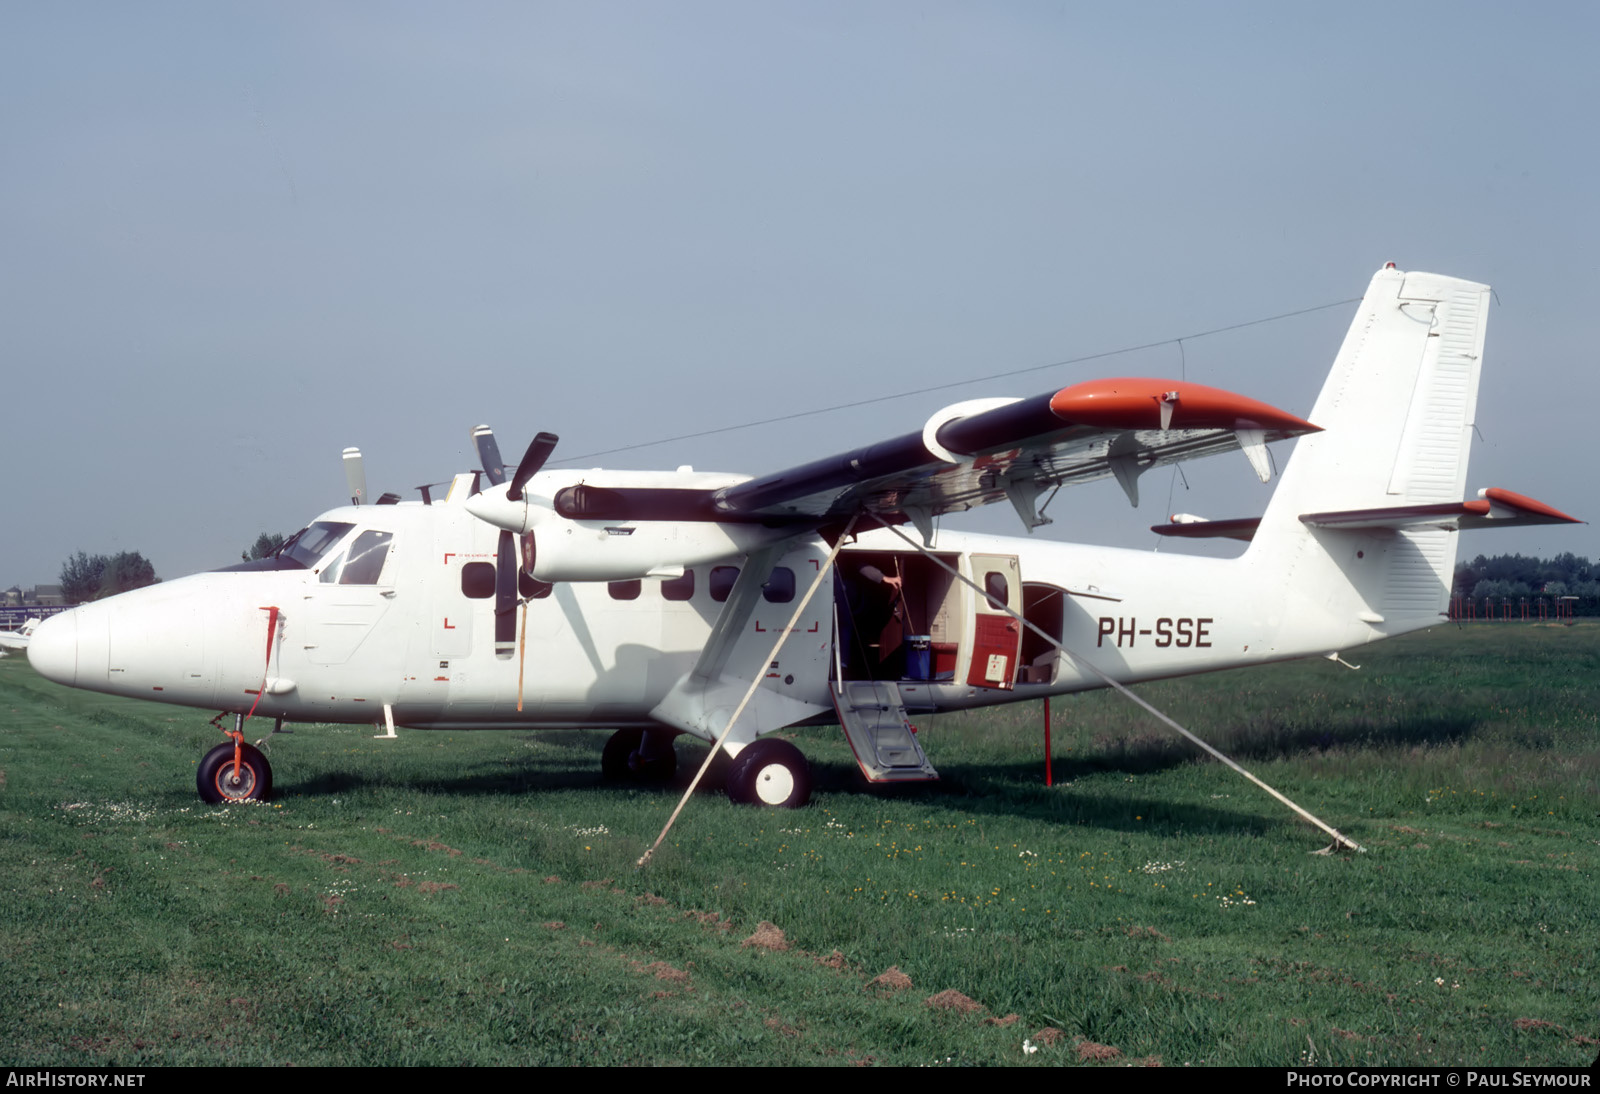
pixel 822 572
pixel 1339 841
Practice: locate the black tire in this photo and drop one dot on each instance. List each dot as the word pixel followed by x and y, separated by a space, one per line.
pixel 770 773
pixel 620 760
pixel 217 782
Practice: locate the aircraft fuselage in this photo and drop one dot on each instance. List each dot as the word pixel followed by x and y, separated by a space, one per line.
pixel 420 636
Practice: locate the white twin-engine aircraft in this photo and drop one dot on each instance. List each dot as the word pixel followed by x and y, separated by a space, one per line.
pixel 660 603
pixel 12 641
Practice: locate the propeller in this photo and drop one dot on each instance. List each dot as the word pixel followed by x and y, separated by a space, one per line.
pixel 539 450
pixel 506 556
pixel 355 475
pixel 489 453
pixel 505 594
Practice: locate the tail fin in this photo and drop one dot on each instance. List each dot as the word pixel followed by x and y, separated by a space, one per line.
pixel 1397 415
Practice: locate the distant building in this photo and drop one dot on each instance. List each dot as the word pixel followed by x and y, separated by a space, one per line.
pixel 46 594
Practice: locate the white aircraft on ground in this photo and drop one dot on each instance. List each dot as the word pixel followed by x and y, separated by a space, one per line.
pixel 653 602
pixel 12 641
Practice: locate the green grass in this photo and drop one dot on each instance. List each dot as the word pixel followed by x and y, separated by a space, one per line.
pixel 471 898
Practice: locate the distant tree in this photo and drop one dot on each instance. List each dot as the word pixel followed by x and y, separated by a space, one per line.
pixel 80 577
pixel 265 546
pixel 1516 576
pixel 127 570
pixel 94 577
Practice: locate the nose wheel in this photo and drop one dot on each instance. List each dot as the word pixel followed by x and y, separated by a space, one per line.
pixel 772 773
pixel 221 780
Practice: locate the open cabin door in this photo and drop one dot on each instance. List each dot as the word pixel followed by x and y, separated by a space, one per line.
pixel 897 624
pixel 996 636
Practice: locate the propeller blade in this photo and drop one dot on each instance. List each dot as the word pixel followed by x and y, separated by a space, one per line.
pixel 532 460
pixel 355 475
pixel 505 594
pixel 489 454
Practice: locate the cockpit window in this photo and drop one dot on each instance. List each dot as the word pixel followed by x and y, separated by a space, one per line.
pixel 367 554
pixel 310 543
pixel 363 563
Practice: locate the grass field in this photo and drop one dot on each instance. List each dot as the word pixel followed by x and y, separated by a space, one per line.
pixel 471 898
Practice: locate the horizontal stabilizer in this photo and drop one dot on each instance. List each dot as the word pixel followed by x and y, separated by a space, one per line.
pixel 1493 508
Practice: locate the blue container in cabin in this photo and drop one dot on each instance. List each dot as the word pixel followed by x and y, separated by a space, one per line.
pixel 919 657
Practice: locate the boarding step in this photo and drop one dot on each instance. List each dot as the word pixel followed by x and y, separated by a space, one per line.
pixel 874 720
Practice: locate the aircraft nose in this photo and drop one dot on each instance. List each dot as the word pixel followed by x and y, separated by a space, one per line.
pixel 53 649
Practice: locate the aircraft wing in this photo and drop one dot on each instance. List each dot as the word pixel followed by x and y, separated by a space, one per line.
pixel 991 450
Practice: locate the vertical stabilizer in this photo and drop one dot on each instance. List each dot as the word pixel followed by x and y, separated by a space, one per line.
pixel 1397 415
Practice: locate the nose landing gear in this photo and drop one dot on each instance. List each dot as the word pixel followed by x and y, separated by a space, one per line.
pixel 221 779
pixel 234 771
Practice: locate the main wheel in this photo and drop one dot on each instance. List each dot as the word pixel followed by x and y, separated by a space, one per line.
pixel 630 757
pixel 772 773
pixel 218 782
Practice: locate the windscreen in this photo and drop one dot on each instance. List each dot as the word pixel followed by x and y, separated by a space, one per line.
pixel 308 545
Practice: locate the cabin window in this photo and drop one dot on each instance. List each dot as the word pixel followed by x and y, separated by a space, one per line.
pixel 999 593
pixel 625 590
pixel 722 579
pixel 531 588
pixel 477 580
pixel 679 588
pixel 779 588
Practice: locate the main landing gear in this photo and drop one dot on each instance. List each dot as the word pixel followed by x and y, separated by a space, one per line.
pixel 235 771
pixel 770 772
pixel 639 756
pixel 767 772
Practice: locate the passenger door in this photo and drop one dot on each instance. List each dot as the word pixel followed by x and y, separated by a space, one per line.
pixel 997 636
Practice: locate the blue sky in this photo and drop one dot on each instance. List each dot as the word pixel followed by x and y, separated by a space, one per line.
pixel 237 238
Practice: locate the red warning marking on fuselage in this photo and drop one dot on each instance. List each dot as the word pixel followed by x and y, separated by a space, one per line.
pixel 447 625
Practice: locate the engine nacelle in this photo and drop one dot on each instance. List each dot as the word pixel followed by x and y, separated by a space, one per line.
pixel 621 526
pixel 593 550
